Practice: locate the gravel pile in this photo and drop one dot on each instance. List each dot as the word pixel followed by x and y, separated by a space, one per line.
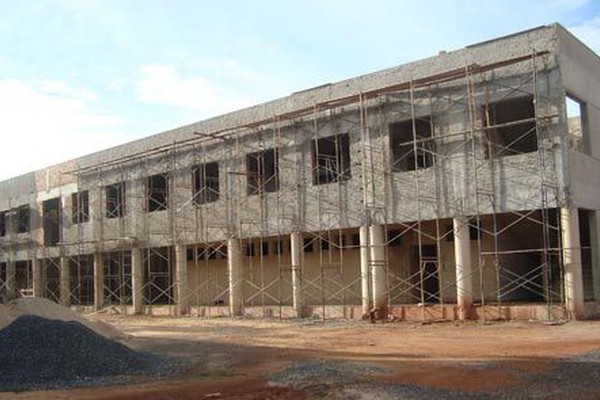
pixel 38 353
pixel 48 309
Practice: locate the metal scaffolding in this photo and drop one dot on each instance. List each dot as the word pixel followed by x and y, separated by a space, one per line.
pixel 407 157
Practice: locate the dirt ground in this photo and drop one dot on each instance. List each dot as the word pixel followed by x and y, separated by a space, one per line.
pixel 270 359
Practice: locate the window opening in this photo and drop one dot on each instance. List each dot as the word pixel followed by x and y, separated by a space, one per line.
pixel 402 143
pixel 3 224
pixel 115 200
pixel 158 199
pixel 23 219
pixel 331 159
pixel 262 171
pixel 80 207
pixel 206 183
pixel 51 221
pixel 510 127
pixel 577 124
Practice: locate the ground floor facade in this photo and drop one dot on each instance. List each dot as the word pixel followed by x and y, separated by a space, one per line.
pixel 538 264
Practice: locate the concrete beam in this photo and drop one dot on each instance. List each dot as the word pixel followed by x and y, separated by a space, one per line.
pixel 296 243
pixel 569 223
pixel 137 279
pixel 462 260
pixel 98 281
pixel 182 292
pixel 236 277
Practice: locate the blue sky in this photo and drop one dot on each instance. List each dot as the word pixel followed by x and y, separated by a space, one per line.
pixel 77 76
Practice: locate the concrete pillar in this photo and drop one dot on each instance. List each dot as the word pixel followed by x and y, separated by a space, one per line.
pixel 595 244
pixel 182 293
pixel 98 281
pixel 137 279
pixel 462 260
pixel 569 223
pixel 65 281
pixel 378 267
pixel 236 277
pixel 11 280
pixel 38 277
pixel 296 243
pixel 364 269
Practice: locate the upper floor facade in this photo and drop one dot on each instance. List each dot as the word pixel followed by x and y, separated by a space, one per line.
pixel 509 124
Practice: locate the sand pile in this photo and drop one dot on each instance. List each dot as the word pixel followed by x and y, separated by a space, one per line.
pixel 47 309
pixel 42 353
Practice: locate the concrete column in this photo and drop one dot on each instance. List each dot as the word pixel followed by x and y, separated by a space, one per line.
pixel 137 279
pixel 38 277
pixel 364 269
pixel 378 266
pixel 236 277
pixel 462 260
pixel 65 282
pixel 569 222
pixel 98 281
pixel 11 280
pixel 595 244
pixel 296 243
pixel 182 294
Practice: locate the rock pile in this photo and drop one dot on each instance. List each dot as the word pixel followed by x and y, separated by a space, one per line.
pixel 44 345
pixel 47 309
pixel 37 352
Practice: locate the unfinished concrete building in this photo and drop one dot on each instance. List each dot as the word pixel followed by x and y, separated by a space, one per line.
pixel 466 185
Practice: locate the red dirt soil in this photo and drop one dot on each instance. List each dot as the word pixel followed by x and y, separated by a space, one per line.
pixel 233 358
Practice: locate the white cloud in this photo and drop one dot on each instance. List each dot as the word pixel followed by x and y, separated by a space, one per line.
pixel 47 122
pixel 162 84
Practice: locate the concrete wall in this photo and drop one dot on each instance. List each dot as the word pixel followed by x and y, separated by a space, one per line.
pixel 580 72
